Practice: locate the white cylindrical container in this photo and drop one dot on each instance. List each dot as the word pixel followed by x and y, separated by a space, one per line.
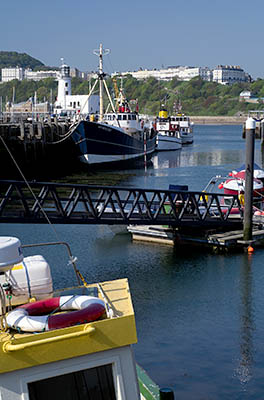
pixel 10 252
pixel 31 278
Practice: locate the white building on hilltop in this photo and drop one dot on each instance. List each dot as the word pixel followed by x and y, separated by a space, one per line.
pixel 224 74
pixel 167 74
pixel 228 74
pixel 8 74
pixel 73 104
pixel 39 75
pixel 19 73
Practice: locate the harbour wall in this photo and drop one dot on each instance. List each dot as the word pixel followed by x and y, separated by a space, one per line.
pixel 37 147
pixel 218 120
pixel 259 131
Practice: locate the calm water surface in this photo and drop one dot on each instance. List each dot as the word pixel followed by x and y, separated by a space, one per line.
pixel 199 315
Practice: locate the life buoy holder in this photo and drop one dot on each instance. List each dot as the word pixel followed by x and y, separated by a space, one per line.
pixel 206 197
pixel 38 317
pixel 241 198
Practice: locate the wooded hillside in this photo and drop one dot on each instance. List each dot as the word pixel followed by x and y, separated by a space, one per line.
pixel 14 59
pixel 197 97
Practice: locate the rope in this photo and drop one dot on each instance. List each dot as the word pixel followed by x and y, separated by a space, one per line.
pixel 259 193
pixel 31 191
pixel 67 135
pixel 58 308
pixel 109 310
pixel 43 211
pixel 110 62
pixel 81 277
pixel 3 324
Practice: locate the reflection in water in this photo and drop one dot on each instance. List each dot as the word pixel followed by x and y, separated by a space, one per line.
pixel 217 157
pixel 183 158
pixel 243 372
pixel 166 159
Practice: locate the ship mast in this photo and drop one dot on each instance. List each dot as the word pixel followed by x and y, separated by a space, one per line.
pixel 101 75
pixel 100 53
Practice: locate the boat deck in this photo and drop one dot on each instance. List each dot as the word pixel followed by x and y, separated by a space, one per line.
pixel 103 334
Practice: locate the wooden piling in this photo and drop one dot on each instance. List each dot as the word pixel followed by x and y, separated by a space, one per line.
pixel 22 131
pixel 262 133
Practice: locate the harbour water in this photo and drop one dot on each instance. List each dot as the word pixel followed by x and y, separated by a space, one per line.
pixel 199 315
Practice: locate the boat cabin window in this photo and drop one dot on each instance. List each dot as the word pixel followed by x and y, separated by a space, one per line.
pixel 134 117
pixel 110 117
pixel 94 383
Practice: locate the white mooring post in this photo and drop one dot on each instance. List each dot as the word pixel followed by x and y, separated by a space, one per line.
pixel 249 170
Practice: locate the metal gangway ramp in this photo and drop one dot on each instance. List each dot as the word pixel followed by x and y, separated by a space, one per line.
pixel 59 203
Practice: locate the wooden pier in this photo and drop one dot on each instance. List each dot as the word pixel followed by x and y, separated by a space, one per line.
pixel 40 144
pixel 44 131
pixel 218 241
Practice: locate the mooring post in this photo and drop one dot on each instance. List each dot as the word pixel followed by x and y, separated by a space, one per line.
pixel 249 171
pixel 261 133
pixel 166 394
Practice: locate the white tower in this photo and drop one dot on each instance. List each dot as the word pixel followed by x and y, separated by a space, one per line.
pixel 64 85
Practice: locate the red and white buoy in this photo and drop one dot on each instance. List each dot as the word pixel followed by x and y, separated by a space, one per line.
pixel 38 317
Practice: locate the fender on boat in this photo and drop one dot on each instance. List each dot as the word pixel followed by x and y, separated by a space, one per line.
pixel 38 317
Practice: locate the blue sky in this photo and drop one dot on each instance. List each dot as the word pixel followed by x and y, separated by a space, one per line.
pixel 147 34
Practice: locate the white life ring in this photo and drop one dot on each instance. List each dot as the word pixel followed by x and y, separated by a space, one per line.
pixel 34 317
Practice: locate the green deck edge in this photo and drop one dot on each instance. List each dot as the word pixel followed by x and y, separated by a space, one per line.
pixel 147 387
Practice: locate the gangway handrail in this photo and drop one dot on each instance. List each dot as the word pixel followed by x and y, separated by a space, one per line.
pixel 95 204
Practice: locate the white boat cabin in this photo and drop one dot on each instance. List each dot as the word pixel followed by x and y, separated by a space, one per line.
pixel 129 121
pixel 182 121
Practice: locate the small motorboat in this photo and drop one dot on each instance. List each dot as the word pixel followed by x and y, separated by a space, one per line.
pixel 258 172
pixel 235 184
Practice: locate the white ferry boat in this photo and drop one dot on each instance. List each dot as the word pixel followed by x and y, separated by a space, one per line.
pixel 168 135
pixel 182 123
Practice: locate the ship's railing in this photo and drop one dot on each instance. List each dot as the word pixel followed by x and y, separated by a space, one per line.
pixel 39 202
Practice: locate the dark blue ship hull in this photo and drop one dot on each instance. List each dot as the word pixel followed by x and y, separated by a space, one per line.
pixel 102 143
